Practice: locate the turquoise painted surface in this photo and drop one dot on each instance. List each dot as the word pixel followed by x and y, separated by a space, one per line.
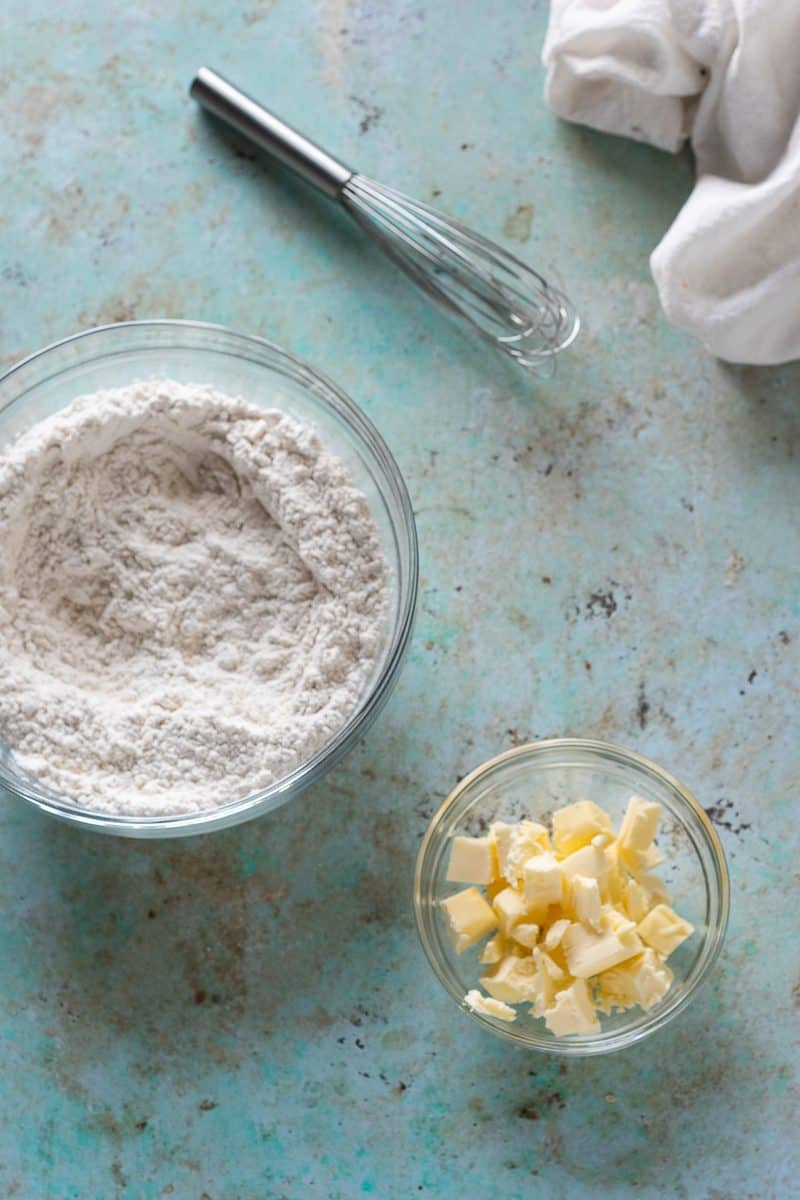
pixel 615 553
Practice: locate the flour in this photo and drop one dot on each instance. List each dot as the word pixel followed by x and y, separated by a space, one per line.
pixel 192 598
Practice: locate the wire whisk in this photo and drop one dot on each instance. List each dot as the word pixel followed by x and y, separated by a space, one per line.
pixel 495 294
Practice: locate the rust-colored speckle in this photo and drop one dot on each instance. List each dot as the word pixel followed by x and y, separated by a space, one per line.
pixel 120 1178
pixel 517 224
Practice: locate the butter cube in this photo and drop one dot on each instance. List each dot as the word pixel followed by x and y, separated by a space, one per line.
pixel 636 833
pixel 642 980
pixel 575 825
pixel 555 933
pixel 613 920
pixel 546 963
pixel 588 953
pixel 515 844
pixel 543 882
pixel 469 918
pixel 617 875
pixel 495 949
pixel 585 897
pixel 527 935
pixel 510 908
pixel 664 930
pixel 639 825
pixel 636 900
pixel 572 1011
pixel 546 982
pixel 592 862
pixel 512 979
pixel 472 860
pixel 488 1007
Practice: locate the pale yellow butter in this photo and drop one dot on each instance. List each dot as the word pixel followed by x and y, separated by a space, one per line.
pixel 576 824
pixel 495 949
pixel 489 1007
pixel 642 980
pixel 555 933
pixel 469 918
pixel 472 860
pixel 639 825
pixel 664 930
pixel 511 980
pixel 515 844
pixel 510 908
pixel 636 900
pixel 588 953
pixel 578 923
pixel 592 862
pixel 543 882
pixel 585 900
pixel 548 979
pixel 526 935
pixel 572 1011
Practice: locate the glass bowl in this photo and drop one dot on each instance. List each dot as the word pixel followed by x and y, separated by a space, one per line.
pixel 191 352
pixel 531 781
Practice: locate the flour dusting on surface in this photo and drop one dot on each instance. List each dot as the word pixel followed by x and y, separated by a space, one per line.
pixel 192 598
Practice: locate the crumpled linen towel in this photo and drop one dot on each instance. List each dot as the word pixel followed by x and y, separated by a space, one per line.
pixel 726 74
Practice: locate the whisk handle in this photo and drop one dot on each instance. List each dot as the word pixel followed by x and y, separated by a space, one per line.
pixel 250 118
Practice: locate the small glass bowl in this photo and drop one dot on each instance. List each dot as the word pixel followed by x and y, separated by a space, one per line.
pixel 238 364
pixel 531 782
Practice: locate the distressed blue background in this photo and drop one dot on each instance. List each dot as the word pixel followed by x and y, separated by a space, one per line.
pixel 615 553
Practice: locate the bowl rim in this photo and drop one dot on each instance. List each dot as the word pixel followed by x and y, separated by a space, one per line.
pixel 602 1043
pixel 331 394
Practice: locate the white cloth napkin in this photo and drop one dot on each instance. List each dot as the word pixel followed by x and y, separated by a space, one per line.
pixel 726 74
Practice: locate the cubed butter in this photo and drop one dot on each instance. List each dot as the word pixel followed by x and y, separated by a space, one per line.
pixel 572 1011
pixel 588 953
pixel 582 909
pixel 642 980
pixel 636 901
pixel 472 860
pixel 545 962
pixel 495 949
pixel 585 898
pixel 510 908
pixel 613 920
pixel 511 980
pixel 555 933
pixel 489 1007
pixel 592 862
pixel 543 882
pixel 617 874
pixel 639 825
pixel 575 825
pixel 469 918
pixel 515 844
pixel 664 930
pixel 547 981
pixel 526 934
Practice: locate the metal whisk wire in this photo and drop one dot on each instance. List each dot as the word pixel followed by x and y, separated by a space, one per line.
pixel 497 295
pixel 500 297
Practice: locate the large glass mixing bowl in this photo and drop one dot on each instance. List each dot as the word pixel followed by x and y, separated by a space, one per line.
pixel 237 364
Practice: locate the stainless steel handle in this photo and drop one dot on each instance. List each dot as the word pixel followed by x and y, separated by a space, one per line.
pixel 230 104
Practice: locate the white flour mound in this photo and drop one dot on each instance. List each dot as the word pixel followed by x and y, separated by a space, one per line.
pixel 192 596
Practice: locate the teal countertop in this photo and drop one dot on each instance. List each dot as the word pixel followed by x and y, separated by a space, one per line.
pixel 613 553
